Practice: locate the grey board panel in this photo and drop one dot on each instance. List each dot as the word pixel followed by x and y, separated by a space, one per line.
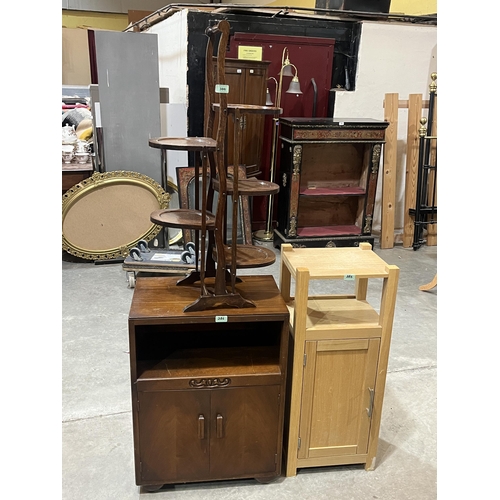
pixel 129 95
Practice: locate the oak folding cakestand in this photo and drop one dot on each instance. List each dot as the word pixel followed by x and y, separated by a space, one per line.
pixel 216 258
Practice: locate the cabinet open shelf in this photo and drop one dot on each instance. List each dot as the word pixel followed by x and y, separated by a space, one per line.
pixel 213 362
pixel 307 232
pixel 337 313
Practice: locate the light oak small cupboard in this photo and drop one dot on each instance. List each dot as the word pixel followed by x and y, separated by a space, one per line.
pixel 339 349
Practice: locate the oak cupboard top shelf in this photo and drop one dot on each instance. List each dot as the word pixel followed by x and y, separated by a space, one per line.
pixel 337 312
pixel 322 264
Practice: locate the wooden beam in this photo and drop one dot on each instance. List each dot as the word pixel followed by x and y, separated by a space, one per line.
pixel 412 142
pixel 389 173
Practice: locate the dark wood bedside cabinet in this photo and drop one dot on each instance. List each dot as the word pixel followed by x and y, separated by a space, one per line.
pixel 207 386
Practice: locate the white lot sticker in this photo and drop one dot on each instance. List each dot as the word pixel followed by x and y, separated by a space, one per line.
pixel 166 257
pixel 221 89
pixel 221 319
pixel 349 277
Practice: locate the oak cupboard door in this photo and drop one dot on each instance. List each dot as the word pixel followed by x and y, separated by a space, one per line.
pixel 174 435
pixel 245 431
pixel 338 392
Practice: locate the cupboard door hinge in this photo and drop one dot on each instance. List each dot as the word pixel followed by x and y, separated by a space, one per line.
pixel 299 443
pixel 279 398
pixel 138 405
pixel 305 359
pixel 275 458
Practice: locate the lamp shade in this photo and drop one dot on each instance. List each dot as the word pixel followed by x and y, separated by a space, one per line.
pixel 294 87
pixel 269 101
pixel 287 70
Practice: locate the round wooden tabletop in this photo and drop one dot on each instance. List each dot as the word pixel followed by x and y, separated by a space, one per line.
pixel 182 218
pixel 184 143
pixel 250 187
pixel 249 256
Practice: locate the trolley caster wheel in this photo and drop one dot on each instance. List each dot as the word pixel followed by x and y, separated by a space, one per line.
pixel 187 257
pixel 135 253
pixel 190 246
pixel 131 280
pixel 142 245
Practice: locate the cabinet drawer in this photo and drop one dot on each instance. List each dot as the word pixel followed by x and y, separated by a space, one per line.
pixel 200 383
pixel 305 134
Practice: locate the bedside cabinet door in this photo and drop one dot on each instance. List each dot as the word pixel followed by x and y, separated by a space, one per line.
pixel 338 392
pixel 174 435
pixel 245 431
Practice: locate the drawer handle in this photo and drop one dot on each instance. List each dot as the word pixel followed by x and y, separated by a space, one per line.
pixel 201 426
pixel 220 421
pixel 209 382
pixel 369 410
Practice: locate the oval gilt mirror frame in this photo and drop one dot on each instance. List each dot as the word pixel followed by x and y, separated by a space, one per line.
pixel 106 215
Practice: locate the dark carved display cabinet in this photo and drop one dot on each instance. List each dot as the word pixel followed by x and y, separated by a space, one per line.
pixel 328 180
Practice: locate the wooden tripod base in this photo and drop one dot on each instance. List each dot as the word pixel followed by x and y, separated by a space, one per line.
pixel 205 302
pixel 195 277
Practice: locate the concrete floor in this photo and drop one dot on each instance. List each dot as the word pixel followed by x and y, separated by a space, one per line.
pixel 97 442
